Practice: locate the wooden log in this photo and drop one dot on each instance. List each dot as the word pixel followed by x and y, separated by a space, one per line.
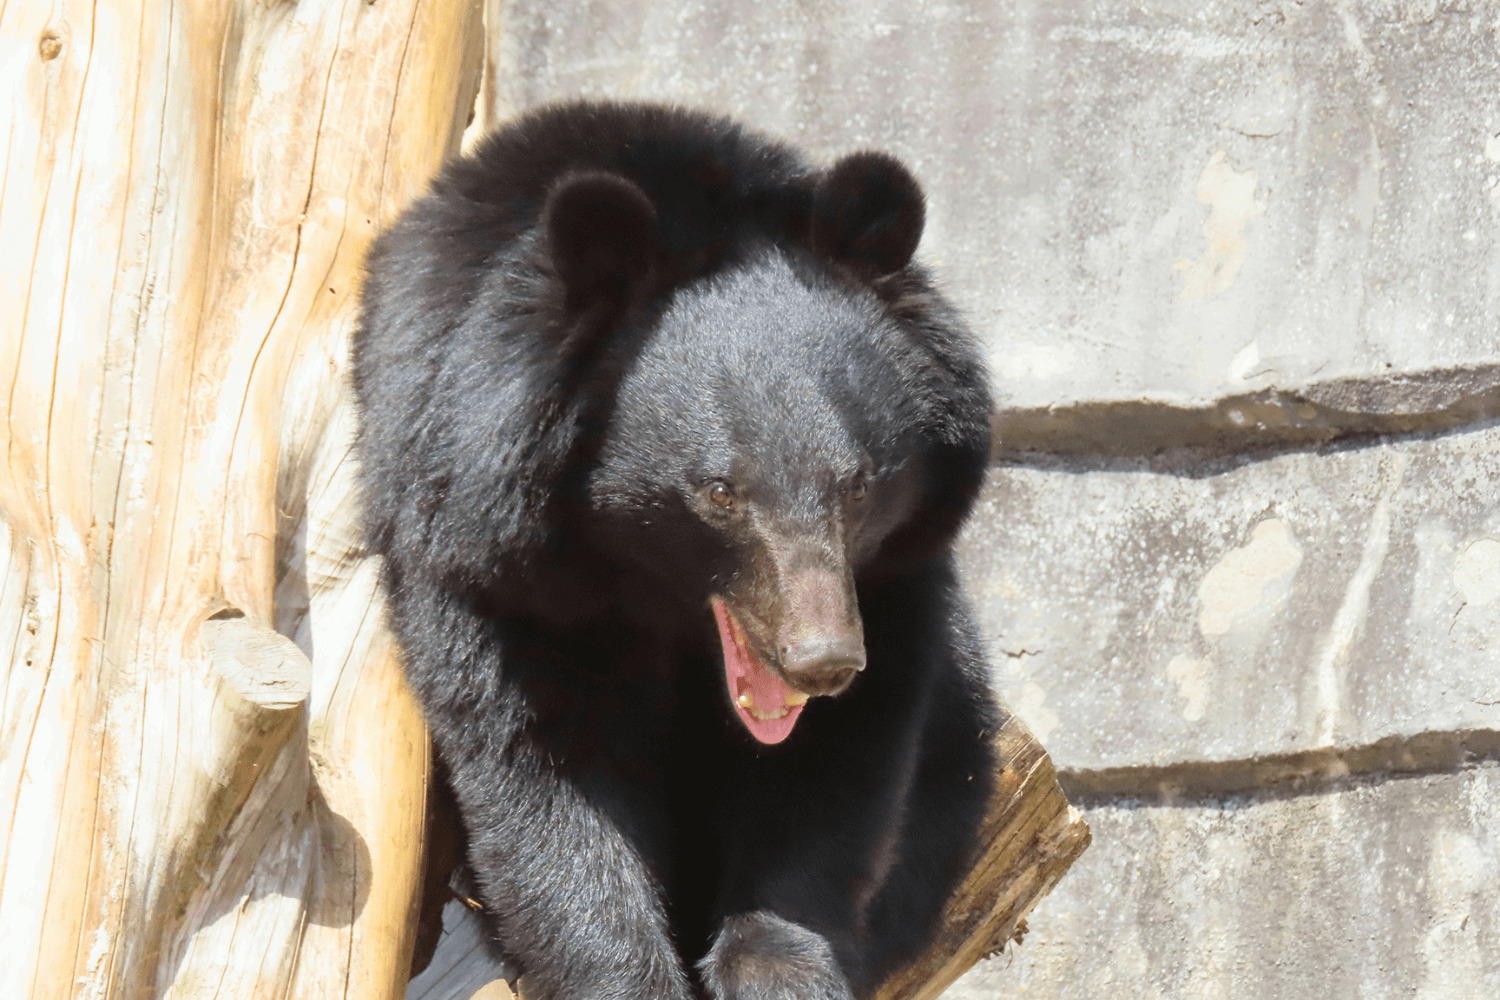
pixel 192 804
pixel 1032 836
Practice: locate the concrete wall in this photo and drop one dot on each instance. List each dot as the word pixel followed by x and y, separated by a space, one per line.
pixel 1237 268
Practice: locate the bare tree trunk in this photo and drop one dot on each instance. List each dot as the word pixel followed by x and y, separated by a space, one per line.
pixel 191 804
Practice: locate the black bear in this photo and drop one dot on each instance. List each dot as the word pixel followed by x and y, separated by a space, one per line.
pixel 665 441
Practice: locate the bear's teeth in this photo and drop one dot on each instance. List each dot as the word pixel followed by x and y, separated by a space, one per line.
pixel 792 699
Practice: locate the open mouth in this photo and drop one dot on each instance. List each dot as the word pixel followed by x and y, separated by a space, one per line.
pixel 765 703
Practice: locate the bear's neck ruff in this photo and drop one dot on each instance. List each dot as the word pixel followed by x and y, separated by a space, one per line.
pixel 766 704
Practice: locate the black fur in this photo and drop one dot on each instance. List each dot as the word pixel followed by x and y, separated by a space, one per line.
pixel 603 314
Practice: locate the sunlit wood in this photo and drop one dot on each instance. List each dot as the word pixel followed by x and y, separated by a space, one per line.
pixel 190 803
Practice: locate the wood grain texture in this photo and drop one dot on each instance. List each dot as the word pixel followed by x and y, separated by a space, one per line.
pixel 189 806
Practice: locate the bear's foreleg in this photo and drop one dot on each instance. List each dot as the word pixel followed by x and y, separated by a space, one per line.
pixel 760 956
pixel 572 901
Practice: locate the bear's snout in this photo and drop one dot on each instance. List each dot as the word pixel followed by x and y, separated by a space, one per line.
pixel 824 664
pixel 821 644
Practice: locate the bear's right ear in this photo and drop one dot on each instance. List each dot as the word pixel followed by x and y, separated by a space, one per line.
pixel 602 238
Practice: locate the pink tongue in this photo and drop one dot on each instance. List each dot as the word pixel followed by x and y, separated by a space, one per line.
pixel 745 673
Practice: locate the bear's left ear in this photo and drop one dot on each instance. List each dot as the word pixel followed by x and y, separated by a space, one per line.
pixel 868 212
pixel 602 238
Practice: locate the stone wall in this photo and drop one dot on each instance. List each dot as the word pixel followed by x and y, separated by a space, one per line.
pixel 1237 269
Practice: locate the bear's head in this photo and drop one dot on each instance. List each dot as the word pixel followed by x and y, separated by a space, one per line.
pixel 806 420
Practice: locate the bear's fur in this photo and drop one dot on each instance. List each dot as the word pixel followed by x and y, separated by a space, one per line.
pixel 658 420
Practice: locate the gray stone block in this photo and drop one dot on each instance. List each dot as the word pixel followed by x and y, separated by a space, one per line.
pixel 1374 892
pixel 1176 201
pixel 1138 617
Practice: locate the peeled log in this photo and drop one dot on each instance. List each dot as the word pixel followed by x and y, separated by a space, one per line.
pixel 191 804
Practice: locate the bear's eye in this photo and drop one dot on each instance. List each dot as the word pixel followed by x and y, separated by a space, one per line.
pixel 858 488
pixel 719 494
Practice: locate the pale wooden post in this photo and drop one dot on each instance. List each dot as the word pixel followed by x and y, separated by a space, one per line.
pixel 191 804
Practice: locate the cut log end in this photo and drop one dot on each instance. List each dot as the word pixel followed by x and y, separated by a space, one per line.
pixel 263 666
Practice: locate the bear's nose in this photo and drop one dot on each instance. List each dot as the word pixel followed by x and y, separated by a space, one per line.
pixel 823 665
